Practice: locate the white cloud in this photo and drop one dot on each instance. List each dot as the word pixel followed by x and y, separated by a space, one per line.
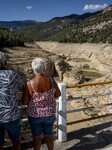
pixel 94 6
pixel 28 7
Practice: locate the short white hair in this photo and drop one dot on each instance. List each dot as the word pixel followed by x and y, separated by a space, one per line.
pixel 38 65
pixel 2 58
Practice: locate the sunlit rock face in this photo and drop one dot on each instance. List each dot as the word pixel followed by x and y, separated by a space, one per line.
pixel 98 55
pixel 20 59
pixel 74 76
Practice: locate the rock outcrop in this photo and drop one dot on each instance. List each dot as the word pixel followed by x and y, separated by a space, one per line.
pixel 99 55
pixel 57 65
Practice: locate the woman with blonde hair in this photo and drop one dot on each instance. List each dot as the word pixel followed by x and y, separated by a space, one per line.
pixel 40 95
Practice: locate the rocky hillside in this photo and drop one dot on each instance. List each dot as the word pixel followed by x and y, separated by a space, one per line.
pixel 92 56
pixel 92 28
pixel 67 62
pixel 20 58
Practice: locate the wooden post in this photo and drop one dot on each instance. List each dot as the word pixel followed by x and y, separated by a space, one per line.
pixel 62 119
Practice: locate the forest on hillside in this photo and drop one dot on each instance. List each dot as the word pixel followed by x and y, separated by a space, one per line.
pixel 86 28
pixel 96 28
pixel 10 39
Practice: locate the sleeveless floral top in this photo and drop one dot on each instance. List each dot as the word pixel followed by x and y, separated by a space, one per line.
pixel 42 104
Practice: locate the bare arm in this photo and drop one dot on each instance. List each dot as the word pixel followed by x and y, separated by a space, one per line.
pixel 58 92
pixel 26 94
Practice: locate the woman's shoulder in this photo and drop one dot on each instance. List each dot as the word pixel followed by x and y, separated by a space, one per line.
pixel 28 82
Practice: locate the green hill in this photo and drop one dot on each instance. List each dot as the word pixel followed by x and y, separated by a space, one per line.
pixel 8 38
pixel 89 27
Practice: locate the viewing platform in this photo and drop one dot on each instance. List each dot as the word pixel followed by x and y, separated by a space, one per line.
pixel 74 133
pixel 98 137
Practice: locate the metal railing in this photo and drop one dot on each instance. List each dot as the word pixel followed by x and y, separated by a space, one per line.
pixel 62 125
pixel 62 112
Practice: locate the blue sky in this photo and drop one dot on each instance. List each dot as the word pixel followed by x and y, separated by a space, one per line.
pixel 44 10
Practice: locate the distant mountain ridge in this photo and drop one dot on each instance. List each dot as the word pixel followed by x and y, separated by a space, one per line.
pixel 86 28
pixel 16 24
pixel 72 19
